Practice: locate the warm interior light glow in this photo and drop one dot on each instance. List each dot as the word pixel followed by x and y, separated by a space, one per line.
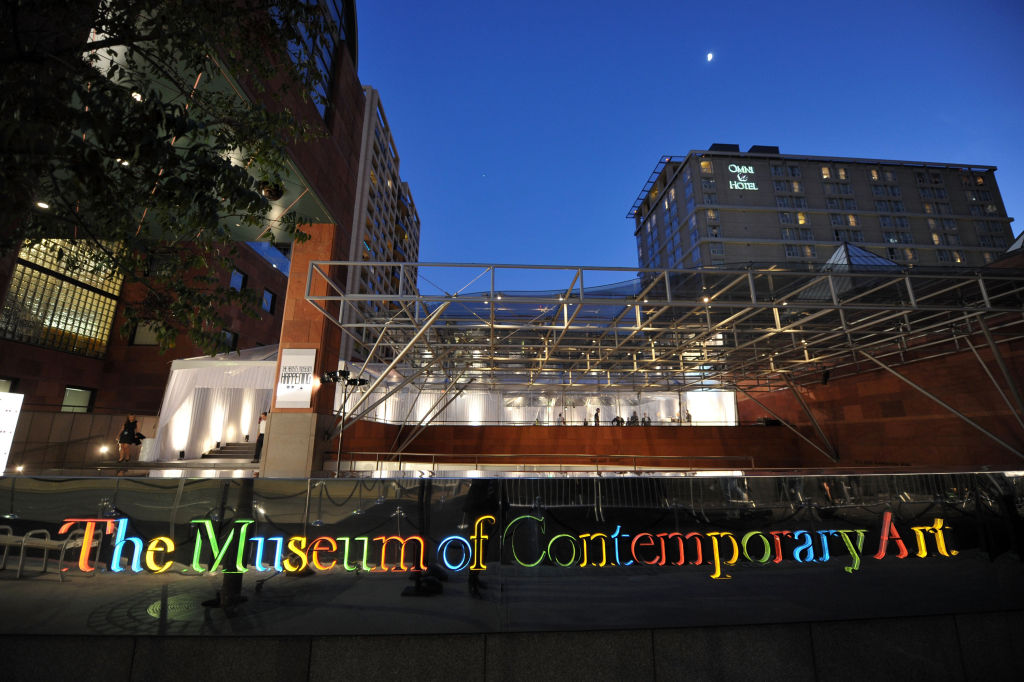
pixel 42 204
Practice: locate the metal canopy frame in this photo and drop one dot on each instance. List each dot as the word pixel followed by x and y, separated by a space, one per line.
pixel 751 329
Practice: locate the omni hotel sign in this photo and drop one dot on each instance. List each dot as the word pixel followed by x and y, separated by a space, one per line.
pixel 744 177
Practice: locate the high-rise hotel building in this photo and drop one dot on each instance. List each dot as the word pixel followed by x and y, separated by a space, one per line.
pixel 721 206
pixel 386 225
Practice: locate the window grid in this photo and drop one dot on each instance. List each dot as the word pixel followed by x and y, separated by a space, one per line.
pixel 47 311
pixel 45 255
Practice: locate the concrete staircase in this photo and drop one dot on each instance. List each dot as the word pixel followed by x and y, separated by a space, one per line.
pixel 241 453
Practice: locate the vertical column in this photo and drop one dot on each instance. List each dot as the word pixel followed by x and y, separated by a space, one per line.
pixel 294 444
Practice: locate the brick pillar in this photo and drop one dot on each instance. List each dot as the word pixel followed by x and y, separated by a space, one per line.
pixel 294 445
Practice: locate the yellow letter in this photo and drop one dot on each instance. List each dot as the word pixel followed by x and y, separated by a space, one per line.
pixel 160 544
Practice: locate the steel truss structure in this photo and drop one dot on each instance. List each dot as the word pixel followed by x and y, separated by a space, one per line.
pixel 753 329
pixel 750 330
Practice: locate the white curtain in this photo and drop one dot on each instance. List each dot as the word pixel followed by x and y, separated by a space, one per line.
pixel 218 401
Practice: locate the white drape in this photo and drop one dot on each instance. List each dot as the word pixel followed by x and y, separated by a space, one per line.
pixel 219 402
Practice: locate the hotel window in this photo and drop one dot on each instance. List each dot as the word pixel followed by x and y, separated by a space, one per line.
pixel 784 202
pixel 901 253
pixel 885 221
pixel 950 256
pixel 875 175
pixel 711 198
pixel 841 173
pixel 778 171
pixel 899 238
pixel 826 173
pixel 717 249
pixel 890 176
pixel 708 184
pixel 800 251
pixel 900 221
pixel 786 218
pixel 849 235
pixel 796 186
pixel 940 239
pixel 794 171
pixel 269 301
pixel 850 204
pixel 988 256
pixel 801 219
pixel 851 220
pixel 77 399
pixel 780 186
pixel 797 233
pixel 832 202
pixel 239 278
pixel 706 168
pixel 992 240
pixel 712 215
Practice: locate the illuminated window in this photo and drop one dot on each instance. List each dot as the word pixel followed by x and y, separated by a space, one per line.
pixel 239 278
pixel 800 251
pixel 801 219
pixel 144 334
pixel 54 304
pixel 875 175
pixel 712 215
pixel 77 399
pixel 269 300
pixel 851 220
pixel 706 168
pixel 950 256
pixel 841 173
pixel 826 173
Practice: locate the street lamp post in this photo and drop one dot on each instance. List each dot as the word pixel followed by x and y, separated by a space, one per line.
pixel 343 377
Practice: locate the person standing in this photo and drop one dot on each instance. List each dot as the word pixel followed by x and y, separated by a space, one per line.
pixel 597 417
pixel 262 428
pixel 127 439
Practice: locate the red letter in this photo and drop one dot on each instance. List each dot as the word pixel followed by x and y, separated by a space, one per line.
pixel 889 532
pixel 777 538
pixel 648 543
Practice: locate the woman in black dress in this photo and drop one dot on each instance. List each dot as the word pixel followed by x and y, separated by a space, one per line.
pixel 127 438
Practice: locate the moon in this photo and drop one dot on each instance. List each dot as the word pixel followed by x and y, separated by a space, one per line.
pixel 711 56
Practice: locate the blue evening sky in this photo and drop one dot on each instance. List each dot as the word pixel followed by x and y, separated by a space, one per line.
pixel 526 130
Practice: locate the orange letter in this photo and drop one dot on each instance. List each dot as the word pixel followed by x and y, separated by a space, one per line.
pixel 90 529
pixel 315 547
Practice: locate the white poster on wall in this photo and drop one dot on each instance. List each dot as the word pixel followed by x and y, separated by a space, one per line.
pixel 10 410
pixel 295 380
